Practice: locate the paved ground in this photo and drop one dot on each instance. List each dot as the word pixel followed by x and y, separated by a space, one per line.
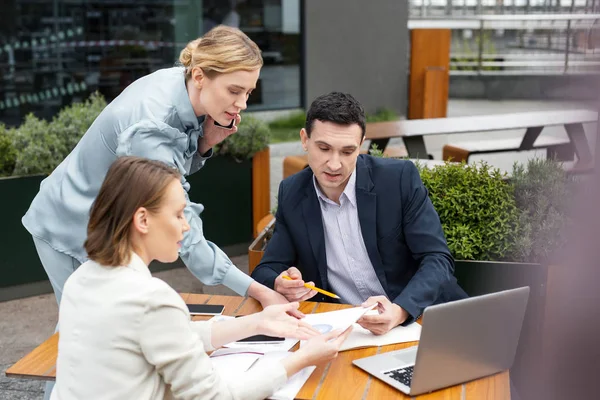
pixel 27 322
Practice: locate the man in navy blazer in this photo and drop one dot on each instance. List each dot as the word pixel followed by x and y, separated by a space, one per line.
pixel 360 226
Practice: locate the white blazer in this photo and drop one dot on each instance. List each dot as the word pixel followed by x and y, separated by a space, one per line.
pixel 128 336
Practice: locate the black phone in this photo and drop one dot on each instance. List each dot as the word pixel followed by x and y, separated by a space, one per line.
pixel 206 309
pixel 261 339
pixel 225 126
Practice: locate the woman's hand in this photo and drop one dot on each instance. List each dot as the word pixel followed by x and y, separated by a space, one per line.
pixel 213 135
pixel 317 350
pixel 276 321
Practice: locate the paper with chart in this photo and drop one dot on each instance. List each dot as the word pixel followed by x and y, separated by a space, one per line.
pixel 340 319
pixel 360 337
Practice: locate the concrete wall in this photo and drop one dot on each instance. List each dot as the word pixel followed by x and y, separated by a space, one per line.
pixel 359 47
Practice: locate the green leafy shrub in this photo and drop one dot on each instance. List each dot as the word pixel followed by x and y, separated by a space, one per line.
pixel 381 115
pixel 8 153
pixel 72 122
pixel 542 191
pixel 253 135
pixel 42 145
pixel 295 120
pixel 477 209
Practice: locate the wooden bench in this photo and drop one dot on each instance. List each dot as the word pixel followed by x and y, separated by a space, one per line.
pixel 414 131
pixel 559 148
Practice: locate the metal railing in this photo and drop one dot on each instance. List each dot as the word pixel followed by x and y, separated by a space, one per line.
pixel 451 8
pixel 520 44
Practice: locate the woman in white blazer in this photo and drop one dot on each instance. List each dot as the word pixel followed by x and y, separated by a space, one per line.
pixel 127 335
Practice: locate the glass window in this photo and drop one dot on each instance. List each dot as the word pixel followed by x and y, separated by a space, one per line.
pixel 54 52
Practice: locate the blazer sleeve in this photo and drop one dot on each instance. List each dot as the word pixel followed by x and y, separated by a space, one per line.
pixel 207 262
pixel 280 253
pixel 425 239
pixel 169 342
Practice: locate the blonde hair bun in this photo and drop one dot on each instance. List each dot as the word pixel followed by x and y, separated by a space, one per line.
pixel 221 50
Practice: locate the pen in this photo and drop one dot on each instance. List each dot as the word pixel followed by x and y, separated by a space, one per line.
pixel 306 285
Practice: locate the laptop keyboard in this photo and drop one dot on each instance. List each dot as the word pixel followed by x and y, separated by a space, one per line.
pixel 402 375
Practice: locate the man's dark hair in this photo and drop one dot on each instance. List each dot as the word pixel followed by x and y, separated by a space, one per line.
pixel 336 107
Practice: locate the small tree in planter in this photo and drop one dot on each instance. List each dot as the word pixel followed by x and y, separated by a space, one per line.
pixel 477 209
pixel 542 193
pixel 238 182
pixel 252 136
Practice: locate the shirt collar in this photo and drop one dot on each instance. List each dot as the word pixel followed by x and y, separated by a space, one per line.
pixel 185 111
pixel 136 263
pixel 183 105
pixel 349 191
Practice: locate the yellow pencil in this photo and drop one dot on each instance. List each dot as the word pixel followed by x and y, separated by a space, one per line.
pixel 306 285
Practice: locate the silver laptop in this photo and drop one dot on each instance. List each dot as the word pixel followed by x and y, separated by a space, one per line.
pixel 460 341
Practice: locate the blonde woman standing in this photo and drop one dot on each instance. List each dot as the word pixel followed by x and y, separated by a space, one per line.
pixel 168 116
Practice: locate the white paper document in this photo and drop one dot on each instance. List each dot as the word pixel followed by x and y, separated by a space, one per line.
pixel 230 364
pixel 340 319
pixel 360 337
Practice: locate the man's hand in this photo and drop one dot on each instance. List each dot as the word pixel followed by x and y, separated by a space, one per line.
pixel 213 134
pixel 390 315
pixel 267 297
pixel 294 289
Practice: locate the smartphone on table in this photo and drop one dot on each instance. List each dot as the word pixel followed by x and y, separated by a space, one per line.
pixel 206 309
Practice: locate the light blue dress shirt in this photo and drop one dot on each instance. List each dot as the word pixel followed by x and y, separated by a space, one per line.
pixel 151 118
pixel 349 269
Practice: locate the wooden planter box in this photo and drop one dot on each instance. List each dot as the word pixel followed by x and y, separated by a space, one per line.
pixel 235 196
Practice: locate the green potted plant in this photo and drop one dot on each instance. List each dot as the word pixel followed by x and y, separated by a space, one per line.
pixel 234 185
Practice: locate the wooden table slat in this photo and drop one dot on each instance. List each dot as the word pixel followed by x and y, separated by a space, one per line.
pixel 40 362
pixel 231 303
pixel 250 306
pixel 494 387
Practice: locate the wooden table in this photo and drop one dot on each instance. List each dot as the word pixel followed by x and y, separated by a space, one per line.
pixel 414 131
pixel 338 379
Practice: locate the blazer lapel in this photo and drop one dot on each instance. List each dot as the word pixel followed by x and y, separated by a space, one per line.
pixel 314 226
pixel 366 203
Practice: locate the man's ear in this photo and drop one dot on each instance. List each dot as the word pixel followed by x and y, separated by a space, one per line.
pixel 304 139
pixel 140 220
pixel 198 77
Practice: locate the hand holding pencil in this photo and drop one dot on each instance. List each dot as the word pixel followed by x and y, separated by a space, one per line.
pixel 290 284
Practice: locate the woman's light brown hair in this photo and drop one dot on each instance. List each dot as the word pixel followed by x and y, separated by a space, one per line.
pixel 221 50
pixel 131 183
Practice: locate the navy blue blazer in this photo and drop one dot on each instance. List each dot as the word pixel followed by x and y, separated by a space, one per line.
pixel 401 229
